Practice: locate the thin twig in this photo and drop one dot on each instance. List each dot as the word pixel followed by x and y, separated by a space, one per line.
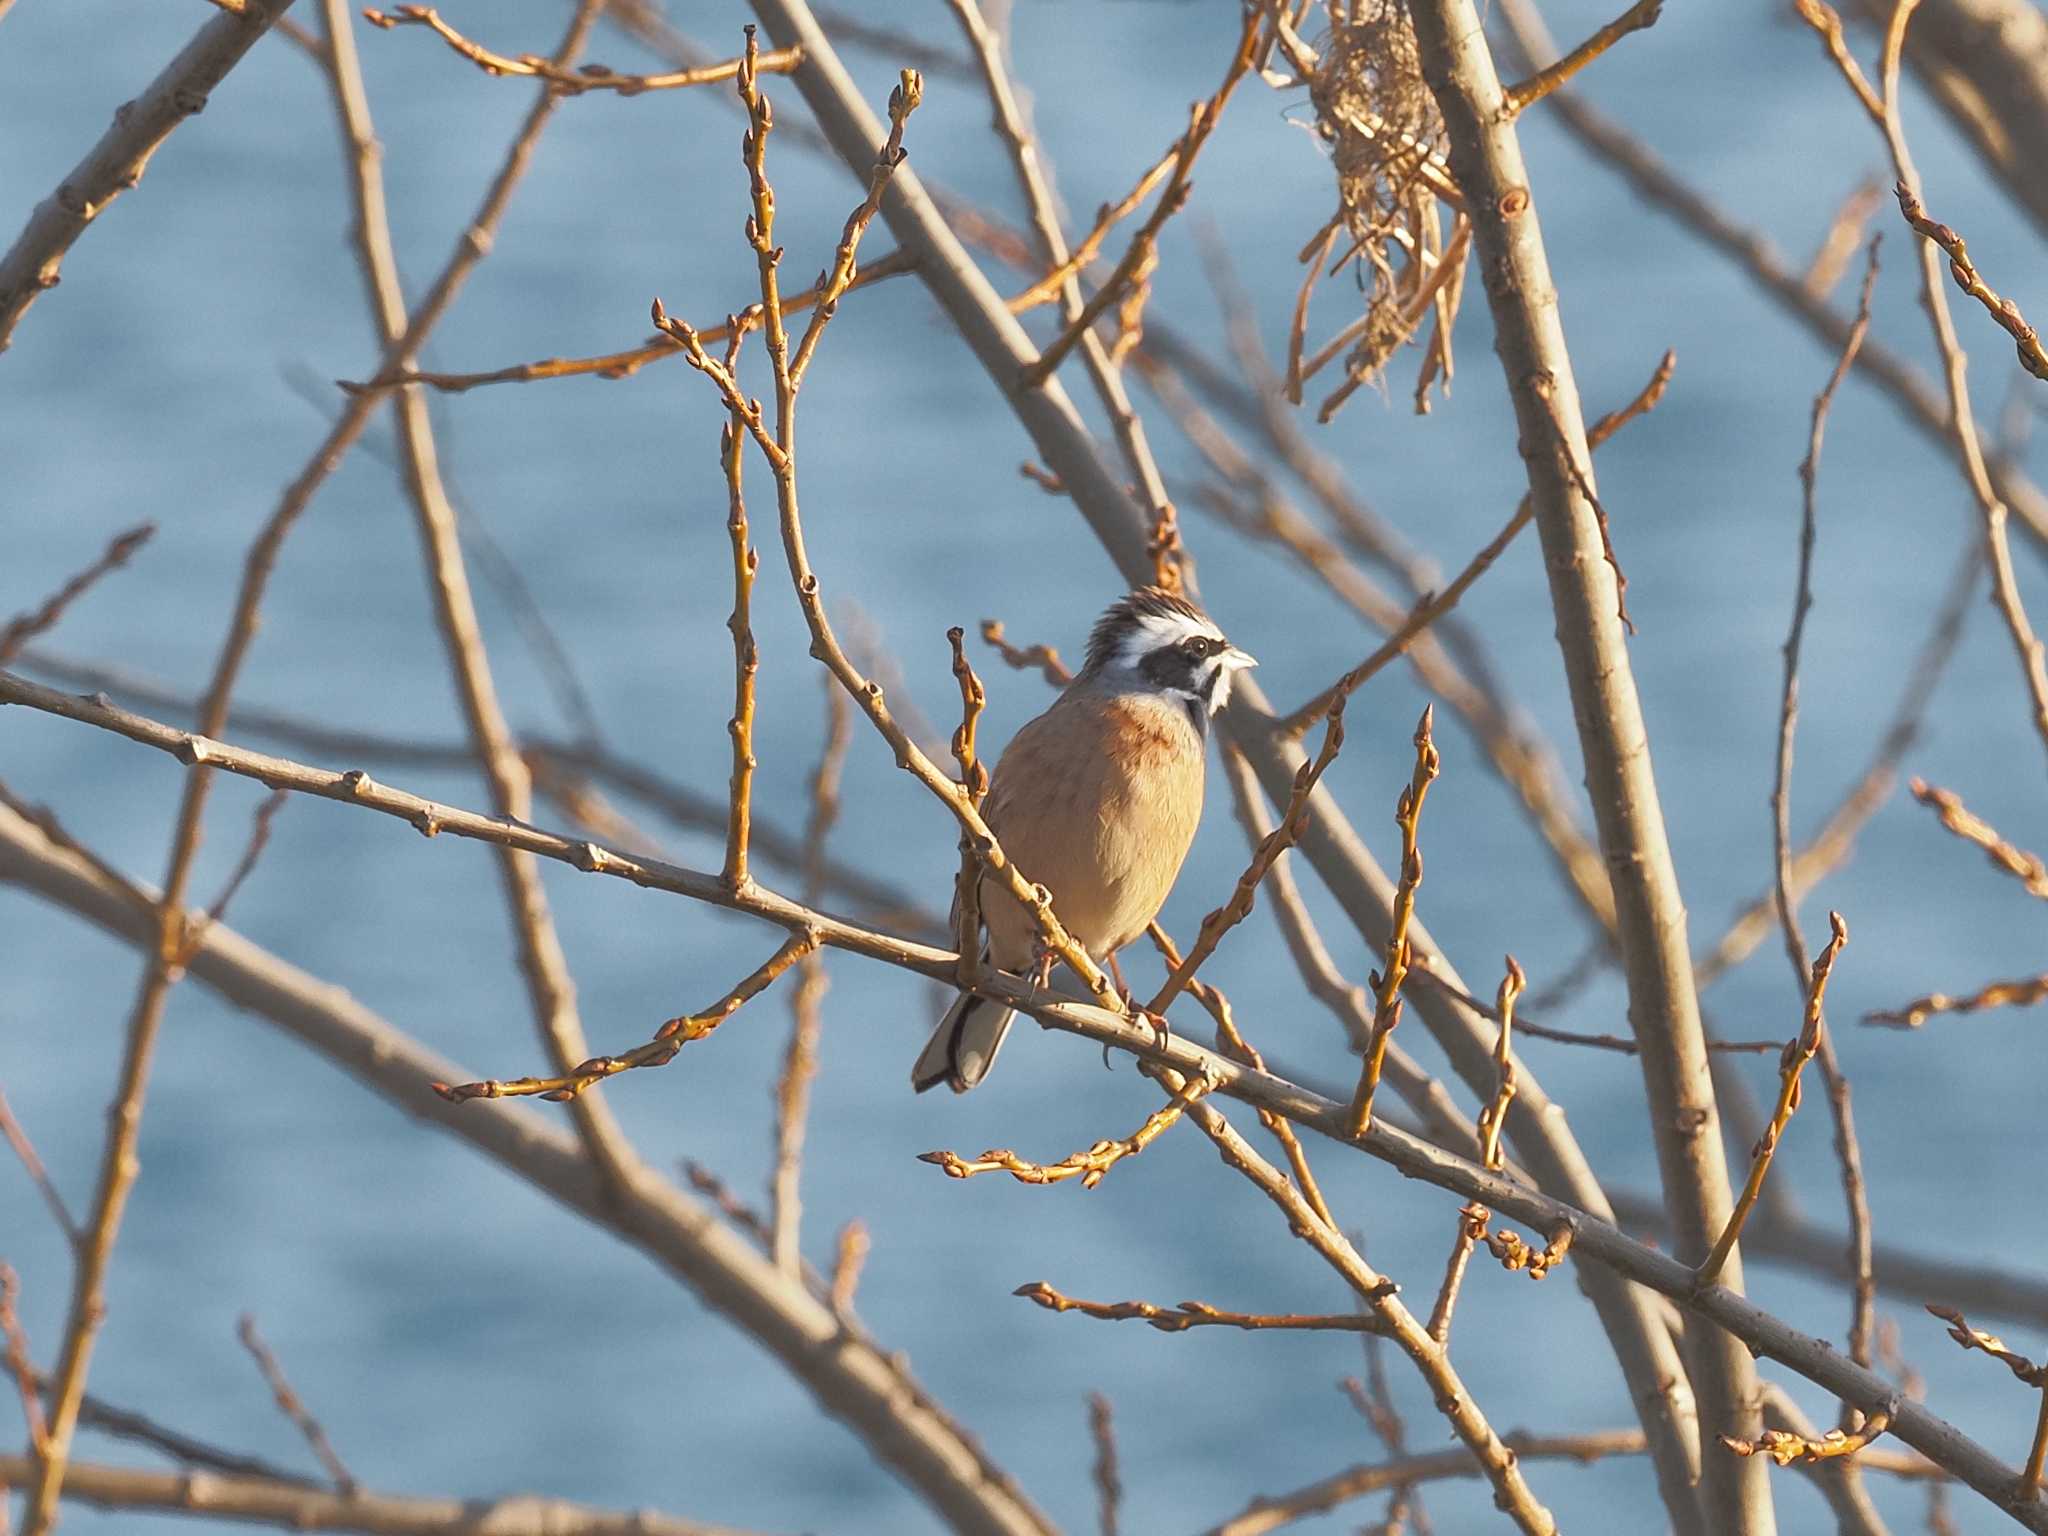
pixel 562 770
pixel 24 1149
pixel 1832 844
pixel 1230 1040
pixel 1848 1152
pixel 292 1407
pixel 14 1347
pixel 1473 1218
pixel 1222 919
pixel 800 1059
pixel 2023 992
pixel 1964 271
pixel 1511 1490
pixel 1643 13
pixel 850 1253
pixel 118 1164
pixel 1962 423
pixel 1091 1166
pixel 18 631
pixel 1751 252
pixel 566 81
pixel 1131 275
pixel 623 364
pixel 259 839
pixel 1798 1052
pixel 544 968
pixel 2031 1374
pixel 2023 866
pixel 1386 983
pixel 663 1048
pixel 1042 658
pixel 1270 1513
pixel 1786 1447
pixel 746 655
pixel 284 1504
pixel 1183 1315
pixel 1433 606
pixel 778 448
pixel 1108 1486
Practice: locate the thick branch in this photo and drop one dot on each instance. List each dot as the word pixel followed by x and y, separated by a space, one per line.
pixel 290 1506
pixel 406 1074
pixel 851 1377
pixel 117 161
pixel 1641 1339
pixel 1486 158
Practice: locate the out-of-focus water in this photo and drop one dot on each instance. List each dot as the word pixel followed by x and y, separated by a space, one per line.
pixel 456 1331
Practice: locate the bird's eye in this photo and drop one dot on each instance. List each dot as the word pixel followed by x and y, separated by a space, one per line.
pixel 1195 647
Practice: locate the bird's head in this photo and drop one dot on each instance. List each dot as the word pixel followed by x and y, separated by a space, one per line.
pixel 1166 643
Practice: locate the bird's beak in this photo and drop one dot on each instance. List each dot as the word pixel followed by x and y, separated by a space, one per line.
pixel 1240 661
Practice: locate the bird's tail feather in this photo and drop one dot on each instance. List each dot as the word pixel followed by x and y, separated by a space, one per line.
pixel 964 1046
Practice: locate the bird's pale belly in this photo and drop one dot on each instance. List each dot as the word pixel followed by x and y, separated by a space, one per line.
pixel 1105 887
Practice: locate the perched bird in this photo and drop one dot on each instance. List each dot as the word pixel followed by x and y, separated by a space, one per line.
pixel 1096 800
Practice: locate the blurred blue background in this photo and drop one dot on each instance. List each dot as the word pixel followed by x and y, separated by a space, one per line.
pixel 456 1331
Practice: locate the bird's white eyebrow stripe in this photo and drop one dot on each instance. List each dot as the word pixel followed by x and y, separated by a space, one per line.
pixel 1166 628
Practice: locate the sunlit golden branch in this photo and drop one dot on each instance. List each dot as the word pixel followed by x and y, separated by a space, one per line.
pixel 1964 271
pixel 1516 98
pixel 850 1254
pixel 1143 252
pixel 1231 1041
pixel 974 784
pixel 1960 423
pixel 1089 1166
pixel 1047 288
pixel 2023 992
pixel 1798 1052
pixel 778 448
pixel 2031 1374
pixel 1222 919
pixel 621 365
pixel 1435 605
pixel 1195 1314
pixel 1473 1219
pixel 1386 984
pixel 2024 867
pixel 1784 1447
pixel 573 82
pixel 1043 658
pixel 657 1052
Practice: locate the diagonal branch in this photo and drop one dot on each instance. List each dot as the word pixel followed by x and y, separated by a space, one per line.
pixel 31 266
pixel 23 628
pixel 551 992
pixel 1517 98
pixel 865 1387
